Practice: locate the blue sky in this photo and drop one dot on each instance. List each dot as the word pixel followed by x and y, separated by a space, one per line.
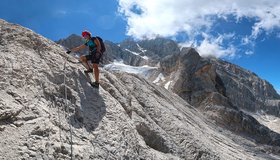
pixel 56 19
pixel 245 33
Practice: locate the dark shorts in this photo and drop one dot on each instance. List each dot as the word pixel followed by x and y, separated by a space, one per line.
pixel 94 57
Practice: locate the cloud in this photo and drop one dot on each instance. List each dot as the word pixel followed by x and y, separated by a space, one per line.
pixel 212 46
pixel 60 13
pixel 67 12
pixel 249 52
pixel 208 48
pixel 149 19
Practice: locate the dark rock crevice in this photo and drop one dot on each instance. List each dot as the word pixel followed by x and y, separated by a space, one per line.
pixel 152 138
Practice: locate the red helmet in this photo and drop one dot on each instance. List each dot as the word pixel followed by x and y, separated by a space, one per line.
pixel 86 33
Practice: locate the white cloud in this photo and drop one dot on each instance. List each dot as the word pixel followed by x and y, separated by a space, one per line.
pixel 249 52
pixel 67 12
pixel 246 40
pixel 148 19
pixel 60 13
pixel 213 48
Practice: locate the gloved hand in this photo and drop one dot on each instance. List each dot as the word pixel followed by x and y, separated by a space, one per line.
pixel 68 52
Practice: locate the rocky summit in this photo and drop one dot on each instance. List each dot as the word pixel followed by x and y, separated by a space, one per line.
pixel 189 108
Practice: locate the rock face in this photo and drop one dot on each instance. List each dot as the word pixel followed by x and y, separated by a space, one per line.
pixel 258 94
pixel 49 111
pixel 73 41
pixel 194 78
pixel 223 91
pixel 155 49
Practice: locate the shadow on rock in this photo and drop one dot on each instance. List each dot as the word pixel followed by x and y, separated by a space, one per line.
pixel 92 107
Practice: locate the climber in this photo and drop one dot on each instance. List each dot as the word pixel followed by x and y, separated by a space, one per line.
pixel 94 55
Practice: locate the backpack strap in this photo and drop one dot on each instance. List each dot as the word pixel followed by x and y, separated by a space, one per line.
pixel 98 44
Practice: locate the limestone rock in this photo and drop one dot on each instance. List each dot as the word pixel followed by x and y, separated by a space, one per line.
pixel 223 91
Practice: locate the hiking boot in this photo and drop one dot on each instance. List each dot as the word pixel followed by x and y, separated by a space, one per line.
pixel 95 84
pixel 88 71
